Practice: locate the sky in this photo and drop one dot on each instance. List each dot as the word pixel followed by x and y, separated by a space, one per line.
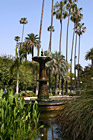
pixel 11 11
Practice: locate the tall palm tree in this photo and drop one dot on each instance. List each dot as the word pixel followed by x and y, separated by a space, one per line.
pixel 23 21
pixel 37 77
pixel 80 30
pixel 77 16
pixel 32 41
pixel 59 11
pixel 73 19
pixel 68 7
pixel 20 55
pixel 71 6
pixel 16 64
pixel 17 39
pixel 41 25
pixel 89 56
pixel 52 29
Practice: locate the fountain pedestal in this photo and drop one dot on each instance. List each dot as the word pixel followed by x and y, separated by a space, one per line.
pixel 43 88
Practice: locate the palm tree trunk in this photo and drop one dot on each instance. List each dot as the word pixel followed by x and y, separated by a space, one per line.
pixel 22 33
pixel 92 62
pixel 32 52
pixel 37 77
pixel 67 39
pixel 17 82
pixel 66 87
pixel 41 25
pixel 60 47
pixel 75 60
pixel 71 85
pixel 50 91
pixel 67 51
pixel 59 85
pixel 51 27
pixel 25 74
pixel 56 84
pixel 78 60
pixel 79 51
pixel 63 86
pixel 60 36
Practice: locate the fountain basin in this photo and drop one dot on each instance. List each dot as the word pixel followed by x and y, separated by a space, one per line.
pixel 49 105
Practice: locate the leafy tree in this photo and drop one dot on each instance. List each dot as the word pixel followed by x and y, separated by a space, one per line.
pixel 86 77
pixel 5 77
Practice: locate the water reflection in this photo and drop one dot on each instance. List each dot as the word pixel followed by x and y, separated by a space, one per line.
pixel 49 132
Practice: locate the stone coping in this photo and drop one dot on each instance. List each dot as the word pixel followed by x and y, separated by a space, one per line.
pixel 53 97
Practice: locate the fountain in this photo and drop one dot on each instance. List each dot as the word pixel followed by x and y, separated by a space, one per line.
pixel 48 108
pixel 43 88
pixel 45 104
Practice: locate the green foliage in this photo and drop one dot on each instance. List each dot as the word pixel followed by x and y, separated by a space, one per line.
pixel 71 94
pixel 17 121
pixel 23 21
pixel 31 42
pixel 77 118
pixel 89 55
pixel 59 10
pixel 5 64
pixel 27 93
pixel 8 74
pixel 87 79
pixel 57 65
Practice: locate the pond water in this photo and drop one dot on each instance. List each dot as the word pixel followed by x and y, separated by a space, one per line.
pixel 49 132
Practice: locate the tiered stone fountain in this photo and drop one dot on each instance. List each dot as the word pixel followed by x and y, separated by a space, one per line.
pixel 43 88
pixel 45 104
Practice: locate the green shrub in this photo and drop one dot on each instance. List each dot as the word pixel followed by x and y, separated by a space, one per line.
pixel 17 121
pixel 27 93
pixel 77 118
pixel 71 94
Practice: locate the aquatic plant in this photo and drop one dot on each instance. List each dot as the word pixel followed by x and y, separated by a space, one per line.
pixel 18 121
